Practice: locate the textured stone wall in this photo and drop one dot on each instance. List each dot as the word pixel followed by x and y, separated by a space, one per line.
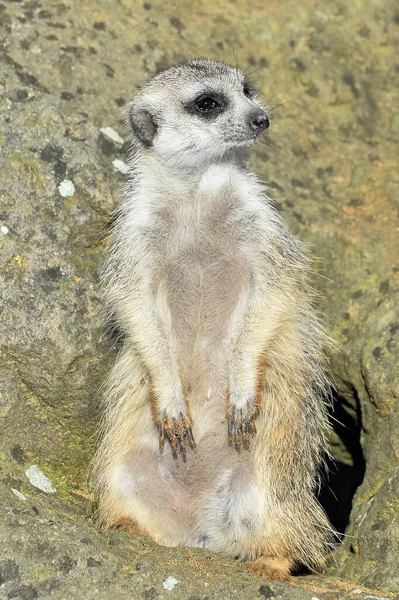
pixel 331 72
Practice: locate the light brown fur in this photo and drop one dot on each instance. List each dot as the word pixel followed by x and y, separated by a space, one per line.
pixel 270 567
pixel 210 291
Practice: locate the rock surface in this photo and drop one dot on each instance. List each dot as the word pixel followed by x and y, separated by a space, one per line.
pixel 65 71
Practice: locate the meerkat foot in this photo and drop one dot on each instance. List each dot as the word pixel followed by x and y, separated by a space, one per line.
pixel 126 524
pixel 241 424
pixel 179 434
pixel 271 567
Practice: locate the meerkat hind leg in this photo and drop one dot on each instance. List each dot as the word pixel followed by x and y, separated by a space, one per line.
pixel 150 496
pixel 271 567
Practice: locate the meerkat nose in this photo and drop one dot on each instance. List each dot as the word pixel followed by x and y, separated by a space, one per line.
pixel 260 121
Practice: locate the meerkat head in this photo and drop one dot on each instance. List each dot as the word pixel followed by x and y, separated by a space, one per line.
pixel 197 112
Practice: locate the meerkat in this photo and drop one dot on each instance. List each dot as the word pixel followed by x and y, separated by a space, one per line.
pixel 215 422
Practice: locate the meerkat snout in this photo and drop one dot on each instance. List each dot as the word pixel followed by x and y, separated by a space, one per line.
pixel 259 122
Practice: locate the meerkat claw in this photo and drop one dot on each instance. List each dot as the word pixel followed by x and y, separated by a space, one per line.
pixel 241 425
pixel 178 433
pixel 182 448
pixel 161 436
pixel 191 439
pixel 231 424
pixel 244 423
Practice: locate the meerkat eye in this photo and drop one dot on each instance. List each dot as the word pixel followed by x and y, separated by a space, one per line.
pixel 247 91
pixel 207 104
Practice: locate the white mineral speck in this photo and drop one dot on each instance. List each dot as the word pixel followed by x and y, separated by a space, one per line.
pixel 112 134
pixel 18 494
pixel 120 166
pixel 39 480
pixel 169 583
pixel 357 591
pixel 4 229
pixel 67 189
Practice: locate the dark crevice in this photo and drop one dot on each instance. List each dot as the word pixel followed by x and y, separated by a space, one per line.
pixel 346 468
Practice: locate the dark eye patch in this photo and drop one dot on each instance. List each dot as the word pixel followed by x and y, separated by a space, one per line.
pixel 247 89
pixel 207 105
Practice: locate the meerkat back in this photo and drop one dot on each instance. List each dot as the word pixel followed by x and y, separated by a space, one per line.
pixel 214 421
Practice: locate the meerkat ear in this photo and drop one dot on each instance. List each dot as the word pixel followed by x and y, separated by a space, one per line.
pixel 143 124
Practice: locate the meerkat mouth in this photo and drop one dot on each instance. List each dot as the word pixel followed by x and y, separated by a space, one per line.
pixel 246 142
pixel 248 136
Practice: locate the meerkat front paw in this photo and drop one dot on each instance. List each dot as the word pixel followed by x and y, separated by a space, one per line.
pixel 178 432
pixel 241 422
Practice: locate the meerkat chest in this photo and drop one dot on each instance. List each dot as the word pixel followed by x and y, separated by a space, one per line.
pixel 202 223
pixel 199 233
pixel 202 266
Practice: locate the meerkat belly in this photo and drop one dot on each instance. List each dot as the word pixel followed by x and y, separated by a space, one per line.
pixel 203 291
